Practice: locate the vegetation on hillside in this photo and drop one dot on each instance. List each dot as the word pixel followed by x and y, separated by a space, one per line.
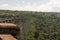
pixel 36 25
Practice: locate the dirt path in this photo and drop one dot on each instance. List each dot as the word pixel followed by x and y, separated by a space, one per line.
pixel 7 37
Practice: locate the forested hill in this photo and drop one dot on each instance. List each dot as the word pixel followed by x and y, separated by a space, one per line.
pixel 36 25
pixel 11 12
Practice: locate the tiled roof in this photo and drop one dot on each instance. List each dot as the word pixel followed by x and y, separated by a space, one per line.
pixel 7 37
pixel 7 25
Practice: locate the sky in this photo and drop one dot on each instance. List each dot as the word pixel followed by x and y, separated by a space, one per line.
pixel 31 5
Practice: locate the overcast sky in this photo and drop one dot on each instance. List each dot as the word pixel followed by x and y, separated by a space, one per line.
pixel 31 5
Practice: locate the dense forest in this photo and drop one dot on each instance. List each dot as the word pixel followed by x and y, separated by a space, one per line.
pixel 35 25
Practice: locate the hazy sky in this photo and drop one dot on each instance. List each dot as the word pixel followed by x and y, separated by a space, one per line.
pixel 31 5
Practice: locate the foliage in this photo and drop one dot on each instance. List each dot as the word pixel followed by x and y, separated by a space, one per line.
pixel 46 25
